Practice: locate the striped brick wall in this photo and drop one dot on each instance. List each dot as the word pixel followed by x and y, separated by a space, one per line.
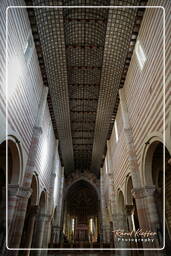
pixel 24 90
pixel 144 92
pixel 144 89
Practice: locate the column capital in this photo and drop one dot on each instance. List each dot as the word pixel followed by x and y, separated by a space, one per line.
pixel 143 192
pixel 44 217
pixel 149 190
pixel 129 209
pixel 138 193
pixel 24 192
pixel 13 189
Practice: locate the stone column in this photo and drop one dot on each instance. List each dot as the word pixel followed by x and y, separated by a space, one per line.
pixel 129 213
pixel 40 228
pixel 51 201
pixel 60 207
pixel 47 233
pixel 32 218
pixel 153 217
pixel 122 221
pixel 107 233
pixel 129 141
pixel 115 227
pixel 131 225
pixel 16 227
pixel 147 194
pixel 12 201
pixel 17 224
pixel 154 221
pixel 103 214
pixel 109 157
pixel 55 234
pixel 99 224
pixel 133 163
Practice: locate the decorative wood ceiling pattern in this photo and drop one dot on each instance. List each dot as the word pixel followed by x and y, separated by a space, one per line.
pixel 84 54
pixel 85 32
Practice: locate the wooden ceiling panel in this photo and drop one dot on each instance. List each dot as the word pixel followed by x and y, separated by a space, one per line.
pixel 84 55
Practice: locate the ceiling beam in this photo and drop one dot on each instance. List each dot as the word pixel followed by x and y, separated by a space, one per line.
pixel 53 44
pixel 113 59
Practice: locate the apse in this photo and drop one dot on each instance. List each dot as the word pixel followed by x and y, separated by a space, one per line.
pixel 81 221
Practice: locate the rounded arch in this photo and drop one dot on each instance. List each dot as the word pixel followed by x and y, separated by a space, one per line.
pixel 35 190
pixel 12 149
pixel 128 190
pixel 153 173
pixel 43 202
pixel 150 146
pixel 54 214
pixel 81 206
pixel 121 202
pixel 31 210
pixel 83 179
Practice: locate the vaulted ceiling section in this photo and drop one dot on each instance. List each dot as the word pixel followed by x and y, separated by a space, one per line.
pixel 84 55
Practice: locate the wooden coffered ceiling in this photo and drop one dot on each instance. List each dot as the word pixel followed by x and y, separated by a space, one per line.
pixel 84 55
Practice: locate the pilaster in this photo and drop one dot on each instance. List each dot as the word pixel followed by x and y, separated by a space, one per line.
pixel 24 192
pixel 133 163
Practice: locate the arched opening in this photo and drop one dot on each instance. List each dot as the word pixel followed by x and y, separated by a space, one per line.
pixel 39 223
pixel 81 218
pixel 154 168
pixel 121 204
pixel 132 214
pixel 122 221
pixel 30 217
pixel 14 167
pixel 54 230
pixel 131 208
